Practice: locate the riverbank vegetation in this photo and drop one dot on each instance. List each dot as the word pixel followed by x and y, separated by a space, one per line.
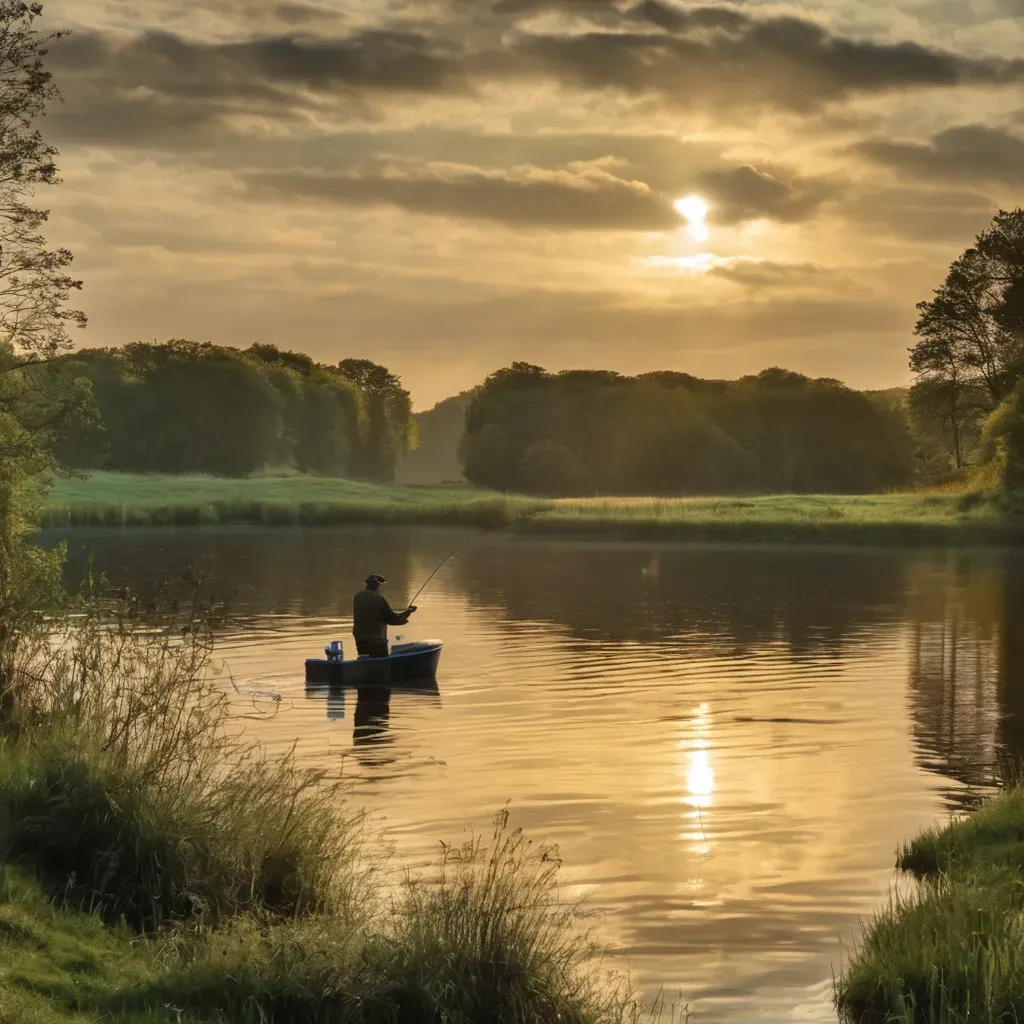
pixel 123 499
pixel 581 433
pixel 184 407
pixel 938 516
pixel 154 865
pixel 950 950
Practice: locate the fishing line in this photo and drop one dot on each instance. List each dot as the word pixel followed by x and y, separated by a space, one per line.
pixel 466 543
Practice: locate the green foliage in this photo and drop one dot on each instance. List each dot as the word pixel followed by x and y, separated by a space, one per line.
pixel 185 407
pixel 127 798
pixel 584 431
pixel 952 953
pixel 122 499
pixel 970 352
pixel 38 402
pixel 62 967
pixel 489 938
pixel 550 468
pixel 1002 444
pixel 127 792
pixel 952 950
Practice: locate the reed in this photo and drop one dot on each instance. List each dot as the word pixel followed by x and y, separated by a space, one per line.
pixel 156 867
pixel 127 789
pixel 950 949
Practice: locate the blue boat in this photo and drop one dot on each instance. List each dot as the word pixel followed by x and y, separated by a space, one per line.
pixel 409 663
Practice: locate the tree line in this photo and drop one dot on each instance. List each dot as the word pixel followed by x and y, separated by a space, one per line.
pixel 967 402
pixel 188 407
pixel 586 432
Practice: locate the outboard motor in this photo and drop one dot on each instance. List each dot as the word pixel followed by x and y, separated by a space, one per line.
pixel 334 651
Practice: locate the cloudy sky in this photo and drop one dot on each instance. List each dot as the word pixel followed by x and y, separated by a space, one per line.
pixel 448 186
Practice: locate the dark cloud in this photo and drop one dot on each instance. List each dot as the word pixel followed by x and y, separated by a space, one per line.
pixel 585 200
pixel 950 218
pixel 766 273
pixel 966 153
pixel 688 56
pixel 302 14
pixel 270 68
pixel 728 58
pixel 746 193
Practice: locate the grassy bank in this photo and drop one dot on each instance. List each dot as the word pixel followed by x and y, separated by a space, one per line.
pixel 156 867
pixel 913 518
pixel 127 499
pixel 952 950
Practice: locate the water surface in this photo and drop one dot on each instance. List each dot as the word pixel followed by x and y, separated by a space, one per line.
pixel 727 743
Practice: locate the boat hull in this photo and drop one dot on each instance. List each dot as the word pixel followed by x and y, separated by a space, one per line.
pixel 408 664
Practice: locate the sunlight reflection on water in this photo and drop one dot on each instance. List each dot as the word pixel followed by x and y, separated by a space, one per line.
pixel 727 751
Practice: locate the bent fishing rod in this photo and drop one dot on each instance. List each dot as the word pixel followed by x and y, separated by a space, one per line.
pixel 451 554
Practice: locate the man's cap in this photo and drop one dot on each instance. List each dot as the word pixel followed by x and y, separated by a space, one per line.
pixel 374 578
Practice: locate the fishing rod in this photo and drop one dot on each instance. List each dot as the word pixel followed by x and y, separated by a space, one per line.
pixel 466 543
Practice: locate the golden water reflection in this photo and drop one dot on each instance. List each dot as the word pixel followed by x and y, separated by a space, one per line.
pixel 727 750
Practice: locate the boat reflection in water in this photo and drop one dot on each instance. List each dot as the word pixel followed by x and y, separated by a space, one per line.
pixel 371 735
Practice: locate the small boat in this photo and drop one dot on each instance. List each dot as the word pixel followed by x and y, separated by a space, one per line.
pixel 409 663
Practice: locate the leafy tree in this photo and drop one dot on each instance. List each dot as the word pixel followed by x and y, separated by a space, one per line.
pixel 970 351
pixel 390 430
pixel 667 433
pixel 551 469
pixel 1003 443
pixel 35 399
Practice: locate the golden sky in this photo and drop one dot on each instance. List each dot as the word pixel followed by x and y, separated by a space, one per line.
pixel 448 186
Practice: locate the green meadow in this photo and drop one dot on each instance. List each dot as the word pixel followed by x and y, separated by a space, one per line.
pixel 120 499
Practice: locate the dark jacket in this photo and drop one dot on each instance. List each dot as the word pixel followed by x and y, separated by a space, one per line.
pixel 371 616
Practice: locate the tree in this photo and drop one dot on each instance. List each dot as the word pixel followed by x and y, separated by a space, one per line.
pixel 551 469
pixel 34 316
pixel 390 431
pixel 970 352
pixel 1003 443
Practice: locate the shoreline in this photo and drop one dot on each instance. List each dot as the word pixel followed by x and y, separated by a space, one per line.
pixel 949 946
pixel 544 526
pixel 108 500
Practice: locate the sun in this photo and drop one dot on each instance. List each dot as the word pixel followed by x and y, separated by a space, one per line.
pixel 695 210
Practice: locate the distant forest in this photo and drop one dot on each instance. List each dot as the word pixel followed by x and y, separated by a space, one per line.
pixel 585 432
pixel 185 407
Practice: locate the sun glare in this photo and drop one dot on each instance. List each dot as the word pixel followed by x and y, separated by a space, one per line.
pixel 695 210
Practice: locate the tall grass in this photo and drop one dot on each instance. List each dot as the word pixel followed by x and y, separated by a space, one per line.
pixel 486 938
pixel 131 797
pixel 124 499
pixel 952 948
pixel 127 789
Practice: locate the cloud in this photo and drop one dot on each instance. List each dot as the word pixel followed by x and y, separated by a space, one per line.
pixel 271 68
pixel 974 153
pixel 692 57
pixel 747 270
pixel 766 273
pixel 584 198
pixel 698 55
pixel 745 193
pixel 921 215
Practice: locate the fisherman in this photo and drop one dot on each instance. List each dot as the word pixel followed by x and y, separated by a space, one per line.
pixel 371 616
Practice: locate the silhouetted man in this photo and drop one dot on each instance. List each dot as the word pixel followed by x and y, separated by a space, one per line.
pixel 371 616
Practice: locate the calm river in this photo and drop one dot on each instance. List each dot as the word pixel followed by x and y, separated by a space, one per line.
pixel 727 743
